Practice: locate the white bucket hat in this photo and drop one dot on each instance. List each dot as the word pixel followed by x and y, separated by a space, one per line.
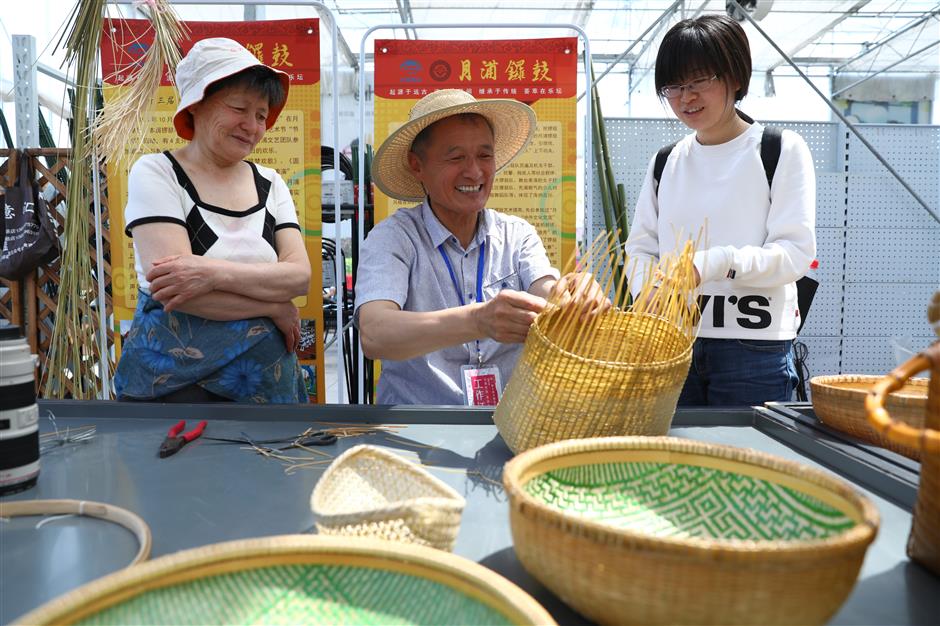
pixel 208 61
pixel 513 125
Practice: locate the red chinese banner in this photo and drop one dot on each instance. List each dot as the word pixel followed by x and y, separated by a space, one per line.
pixel 292 147
pixel 540 185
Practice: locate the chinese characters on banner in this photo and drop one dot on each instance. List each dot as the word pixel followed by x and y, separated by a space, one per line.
pixel 540 184
pixel 292 147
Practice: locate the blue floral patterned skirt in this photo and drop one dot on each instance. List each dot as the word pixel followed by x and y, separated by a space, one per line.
pixel 244 360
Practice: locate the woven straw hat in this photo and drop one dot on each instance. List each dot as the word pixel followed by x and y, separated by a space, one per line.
pixel 513 127
pixel 208 61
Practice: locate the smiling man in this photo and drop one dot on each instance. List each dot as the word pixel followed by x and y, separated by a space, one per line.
pixel 447 290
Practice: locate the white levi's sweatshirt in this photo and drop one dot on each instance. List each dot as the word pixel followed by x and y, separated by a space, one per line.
pixel 754 244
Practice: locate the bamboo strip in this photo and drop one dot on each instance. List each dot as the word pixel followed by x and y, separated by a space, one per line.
pixel 100 510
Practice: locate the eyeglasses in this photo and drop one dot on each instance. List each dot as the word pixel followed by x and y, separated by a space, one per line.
pixel 696 86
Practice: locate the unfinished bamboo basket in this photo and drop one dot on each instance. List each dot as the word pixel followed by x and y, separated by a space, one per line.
pixel 923 545
pixel 660 530
pixel 839 402
pixel 371 492
pixel 298 579
pixel 619 372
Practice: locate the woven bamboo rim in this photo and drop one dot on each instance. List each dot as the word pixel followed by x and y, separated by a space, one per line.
pixel 839 402
pixel 100 510
pixel 818 484
pixel 914 392
pixel 459 573
pixel 543 320
pixel 926 439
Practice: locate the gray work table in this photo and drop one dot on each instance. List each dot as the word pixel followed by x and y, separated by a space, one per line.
pixel 211 492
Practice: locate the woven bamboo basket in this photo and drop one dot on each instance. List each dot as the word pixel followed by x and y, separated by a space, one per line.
pixel 839 402
pixel 924 543
pixel 585 389
pixel 660 530
pixel 298 579
pixel 371 492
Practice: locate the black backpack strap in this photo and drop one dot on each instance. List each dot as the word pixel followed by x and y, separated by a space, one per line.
pixel 770 146
pixel 660 164
pixel 771 143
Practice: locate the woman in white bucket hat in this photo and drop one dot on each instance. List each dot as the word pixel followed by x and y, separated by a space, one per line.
pixel 447 290
pixel 218 248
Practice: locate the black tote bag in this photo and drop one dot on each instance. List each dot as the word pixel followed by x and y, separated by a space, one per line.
pixel 26 231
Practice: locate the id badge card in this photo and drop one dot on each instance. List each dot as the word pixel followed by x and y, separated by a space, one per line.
pixel 481 385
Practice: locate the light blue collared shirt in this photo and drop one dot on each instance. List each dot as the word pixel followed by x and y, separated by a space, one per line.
pixel 400 261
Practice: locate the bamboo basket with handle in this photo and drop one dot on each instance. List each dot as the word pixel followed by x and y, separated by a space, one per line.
pixel 924 543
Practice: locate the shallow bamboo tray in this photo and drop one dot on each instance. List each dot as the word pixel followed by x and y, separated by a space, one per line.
pixel 660 530
pixel 560 392
pixel 298 579
pixel 839 402
pixel 370 492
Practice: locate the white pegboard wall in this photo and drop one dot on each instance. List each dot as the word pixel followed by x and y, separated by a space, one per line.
pixel 824 354
pixel 830 252
pixel 887 309
pixel 830 199
pixel 879 355
pixel 882 202
pixel 892 255
pixel 825 316
pixel 876 198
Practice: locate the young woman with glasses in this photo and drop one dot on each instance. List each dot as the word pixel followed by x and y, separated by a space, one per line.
pixel 757 238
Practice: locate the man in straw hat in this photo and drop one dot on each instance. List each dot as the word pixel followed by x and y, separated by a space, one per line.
pixel 447 290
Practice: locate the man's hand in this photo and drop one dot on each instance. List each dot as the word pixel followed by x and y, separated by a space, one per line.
pixel 179 278
pixel 581 289
pixel 507 317
pixel 287 320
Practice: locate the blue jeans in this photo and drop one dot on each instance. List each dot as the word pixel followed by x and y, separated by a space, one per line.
pixel 739 372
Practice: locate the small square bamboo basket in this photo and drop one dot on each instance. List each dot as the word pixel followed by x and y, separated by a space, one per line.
pixel 839 402
pixel 370 492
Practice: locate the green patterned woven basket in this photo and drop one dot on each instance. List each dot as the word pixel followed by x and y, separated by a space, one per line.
pixel 298 579
pixel 659 530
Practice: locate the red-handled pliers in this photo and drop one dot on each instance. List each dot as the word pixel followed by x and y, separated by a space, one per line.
pixel 174 440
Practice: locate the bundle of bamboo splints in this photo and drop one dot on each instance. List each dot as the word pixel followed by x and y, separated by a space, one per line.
pixel 76 363
pixel 617 372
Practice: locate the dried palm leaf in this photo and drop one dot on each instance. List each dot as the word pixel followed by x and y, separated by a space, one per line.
pixel 119 129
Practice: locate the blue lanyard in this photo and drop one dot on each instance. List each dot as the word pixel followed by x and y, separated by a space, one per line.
pixel 453 279
pixel 453 276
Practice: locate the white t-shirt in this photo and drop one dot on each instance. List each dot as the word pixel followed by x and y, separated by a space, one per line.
pixel 754 245
pixel 158 190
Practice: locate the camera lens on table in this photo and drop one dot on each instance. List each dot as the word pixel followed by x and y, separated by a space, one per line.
pixel 19 415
